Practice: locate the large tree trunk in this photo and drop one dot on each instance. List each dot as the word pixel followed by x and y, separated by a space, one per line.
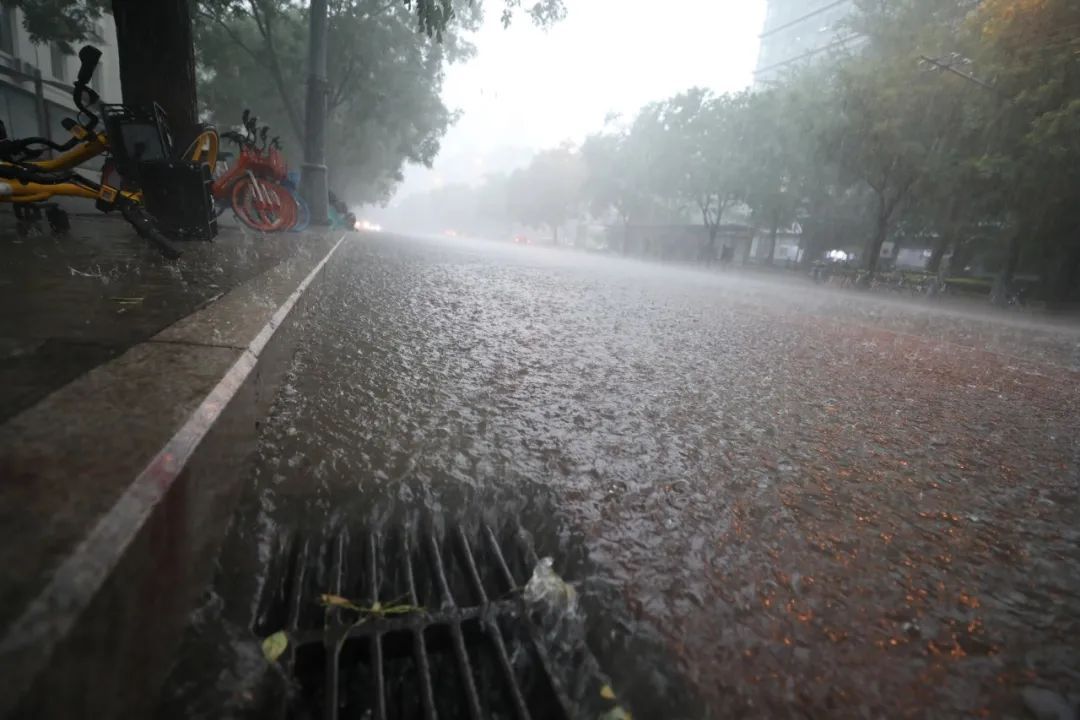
pixel 999 294
pixel 812 243
pixel 941 243
pixel 708 254
pixel 945 238
pixel 157 59
pixel 873 248
pixel 772 241
pixel 1062 282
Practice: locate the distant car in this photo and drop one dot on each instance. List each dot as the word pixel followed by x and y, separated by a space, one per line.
pixel 522 240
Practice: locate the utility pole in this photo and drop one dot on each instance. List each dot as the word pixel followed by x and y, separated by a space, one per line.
pixel 313 180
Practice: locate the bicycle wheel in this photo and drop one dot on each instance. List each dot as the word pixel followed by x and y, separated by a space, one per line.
pixel 261 206
pixel 290 205
pixel 243 205
pixel 289 208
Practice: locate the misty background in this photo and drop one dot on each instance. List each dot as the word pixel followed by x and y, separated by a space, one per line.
pixel 529 87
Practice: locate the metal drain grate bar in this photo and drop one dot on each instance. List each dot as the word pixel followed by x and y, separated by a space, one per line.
pixel 492 629
pixel 427 692
pixel 472 698
pixel 504 569
pixel 452 658
pixel 332 617
pixel 391 625
pixel 375 642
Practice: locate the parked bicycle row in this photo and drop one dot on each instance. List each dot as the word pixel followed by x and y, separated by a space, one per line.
pixel 913 283
pixel 166 194
pixel 259 187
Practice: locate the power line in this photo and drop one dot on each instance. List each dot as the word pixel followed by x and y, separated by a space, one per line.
pixel 954 71
pixel 807 54
pixel 807 16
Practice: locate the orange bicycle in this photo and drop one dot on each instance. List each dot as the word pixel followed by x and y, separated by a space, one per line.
pixel 253 187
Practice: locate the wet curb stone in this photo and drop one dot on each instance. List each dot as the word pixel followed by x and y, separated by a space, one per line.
pixel 116 491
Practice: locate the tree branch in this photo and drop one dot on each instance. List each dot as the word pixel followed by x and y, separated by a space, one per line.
pixel 384 8
pixel 901 193
pixel 338 95
pixel 263 21
pixel 705 204
pixel 228 31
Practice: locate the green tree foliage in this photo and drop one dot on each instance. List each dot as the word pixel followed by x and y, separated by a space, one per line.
pixel 952 123
pixel 272 35
pixel 692 154
pixel 387 62
pixel 617 178
pixel 62 21
pixel 70 21
pixel 774 167
pixel 955 120
pixel 385 78
pixel 1030 52
pixel 954 96
pixel 383 99
pixel 548 192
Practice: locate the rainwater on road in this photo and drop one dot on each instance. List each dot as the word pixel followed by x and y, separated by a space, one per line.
pixel 776 500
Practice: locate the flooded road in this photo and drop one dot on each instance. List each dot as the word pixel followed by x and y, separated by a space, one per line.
pixel 776 500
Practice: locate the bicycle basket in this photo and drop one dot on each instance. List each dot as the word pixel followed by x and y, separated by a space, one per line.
pixel 177 194
pixel 263 164
pixel 136 133
pixel 277 163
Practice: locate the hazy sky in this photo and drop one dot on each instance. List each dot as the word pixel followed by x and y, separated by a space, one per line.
pixel 528 88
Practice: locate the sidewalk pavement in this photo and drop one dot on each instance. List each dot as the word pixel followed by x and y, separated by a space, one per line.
pixel 131 388
pixel 70 303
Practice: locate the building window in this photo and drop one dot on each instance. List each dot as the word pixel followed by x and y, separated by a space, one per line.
pixel 7 30
pixel 59 62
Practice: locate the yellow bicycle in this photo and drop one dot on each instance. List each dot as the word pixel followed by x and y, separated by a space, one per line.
pixel 137 143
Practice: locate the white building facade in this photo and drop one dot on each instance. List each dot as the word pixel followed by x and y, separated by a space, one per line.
pixel 36 79
pixel 799 31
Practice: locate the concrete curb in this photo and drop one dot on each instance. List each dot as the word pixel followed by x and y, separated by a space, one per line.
pixel 95 638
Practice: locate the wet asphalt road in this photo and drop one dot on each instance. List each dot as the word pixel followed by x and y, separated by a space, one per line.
pixel 794 502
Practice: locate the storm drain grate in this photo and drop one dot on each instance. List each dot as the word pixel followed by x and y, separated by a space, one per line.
pixel 436 627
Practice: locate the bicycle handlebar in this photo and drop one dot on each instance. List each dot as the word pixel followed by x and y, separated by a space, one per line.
pixel 89 56
pixel 33 175
pixel 19 150
pixel 82 93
